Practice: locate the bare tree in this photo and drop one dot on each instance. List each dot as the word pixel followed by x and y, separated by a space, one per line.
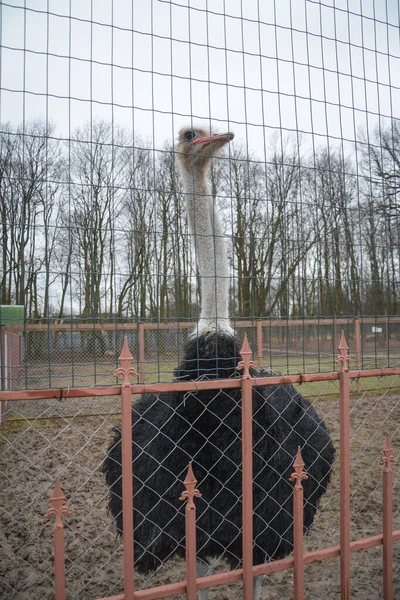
pixel 106 224
pixel 99 187
pixel 137 234
pixel 381 217
pixel 8 226
pixel 332 191
pixel 270 236
pixel 174 253
pixel 29 183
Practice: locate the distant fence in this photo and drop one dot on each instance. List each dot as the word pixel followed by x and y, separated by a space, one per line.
pixel 300 559
pixel 76 354
pixel 10 352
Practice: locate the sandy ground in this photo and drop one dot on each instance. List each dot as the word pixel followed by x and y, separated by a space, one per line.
pixel 32 456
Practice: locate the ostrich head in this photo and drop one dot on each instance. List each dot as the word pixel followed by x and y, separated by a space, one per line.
pixel 196 147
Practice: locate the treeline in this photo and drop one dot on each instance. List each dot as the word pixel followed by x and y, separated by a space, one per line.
pixel 96 227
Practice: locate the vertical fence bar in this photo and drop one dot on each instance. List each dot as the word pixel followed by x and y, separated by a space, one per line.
pixel 344 360
pixel 125 370
pixel 357 338
pixel 190 524
pixel 247 469
pixel 58 510
pixel 387 520
pixel 298 529
pixel 141 353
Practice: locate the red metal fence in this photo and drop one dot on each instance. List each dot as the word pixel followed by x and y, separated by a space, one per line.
pixel 299 560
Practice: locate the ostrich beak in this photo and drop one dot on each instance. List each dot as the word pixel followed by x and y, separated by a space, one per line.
pixel 217 137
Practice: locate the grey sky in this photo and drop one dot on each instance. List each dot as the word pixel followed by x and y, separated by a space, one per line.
pixel 183 61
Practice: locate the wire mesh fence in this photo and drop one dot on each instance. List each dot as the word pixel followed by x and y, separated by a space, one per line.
pixel 98 242
pixel 93 214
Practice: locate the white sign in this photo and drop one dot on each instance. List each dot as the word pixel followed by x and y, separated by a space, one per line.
pixel 377 329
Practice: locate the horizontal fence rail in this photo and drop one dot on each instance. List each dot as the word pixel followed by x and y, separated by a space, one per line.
pixel 385 321
pixel 144 388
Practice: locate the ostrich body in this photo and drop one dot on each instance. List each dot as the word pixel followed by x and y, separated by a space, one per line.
pixel 171 429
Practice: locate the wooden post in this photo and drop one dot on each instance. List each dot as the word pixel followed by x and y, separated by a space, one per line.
pixel 344 360
pixel 259 343
pixel 58 510
pixel 247 468
pixel 141 353
pixel 3 360
pixel 357 336
pixel 387 331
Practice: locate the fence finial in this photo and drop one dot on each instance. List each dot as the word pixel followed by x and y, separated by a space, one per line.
pixel 388 458
pixel 58 509
pixel 343 359
pixel 298 525
pixel 246 363
pixel 298 465
pixel 190 527
pixel 126 369
pixel 191 491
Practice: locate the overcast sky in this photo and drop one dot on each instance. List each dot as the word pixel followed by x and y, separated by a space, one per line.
pixel 252 66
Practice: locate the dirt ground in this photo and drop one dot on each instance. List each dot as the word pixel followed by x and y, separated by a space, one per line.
pixel 32 456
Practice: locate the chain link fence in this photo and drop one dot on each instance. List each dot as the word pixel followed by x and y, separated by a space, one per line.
pixel 36 452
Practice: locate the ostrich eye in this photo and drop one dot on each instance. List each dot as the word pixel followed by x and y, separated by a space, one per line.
pixel 190 135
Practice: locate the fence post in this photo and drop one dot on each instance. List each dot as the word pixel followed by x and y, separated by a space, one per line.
pixel 387 331
pixel 141 352
pixel 259 343
pixel 3 373
pixel 387 520
pixel 344 378
pixel 125 370
pixel 298 529
pixel 58 510
pixel 190 538
pixel 247 468
pixel 357 337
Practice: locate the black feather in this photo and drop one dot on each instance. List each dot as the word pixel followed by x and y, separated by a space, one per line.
pixel 170 429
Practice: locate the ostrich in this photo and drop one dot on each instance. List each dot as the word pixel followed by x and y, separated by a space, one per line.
pixel 171 429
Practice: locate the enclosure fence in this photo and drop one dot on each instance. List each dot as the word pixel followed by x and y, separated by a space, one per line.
pixel 80 354
pixel 127 391
pixel 95 234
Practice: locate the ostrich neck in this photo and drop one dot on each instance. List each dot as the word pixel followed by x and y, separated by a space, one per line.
pixel 211 255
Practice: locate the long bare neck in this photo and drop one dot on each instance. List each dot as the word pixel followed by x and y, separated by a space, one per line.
pixel 211 255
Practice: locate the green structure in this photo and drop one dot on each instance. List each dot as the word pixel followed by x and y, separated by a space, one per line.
pixel 12 314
